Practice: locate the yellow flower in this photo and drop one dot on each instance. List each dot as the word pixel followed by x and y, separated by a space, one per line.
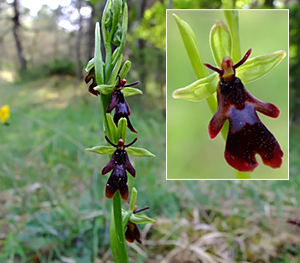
pixel 4 113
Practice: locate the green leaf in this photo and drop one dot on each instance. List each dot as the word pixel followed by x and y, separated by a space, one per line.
pixel 131 91
pixel 89 65
pixel 190 44
pixel 125 68
pixel 259 66
pixel 116 11
pixel 124 33
pixel 139 152
pixel 122 129
pixel 102 149
pixel 106 16
pixel 105 89
pixel 198 90
pixel 98 63
pixel 115 71
pixel 112 128
pixel 220 42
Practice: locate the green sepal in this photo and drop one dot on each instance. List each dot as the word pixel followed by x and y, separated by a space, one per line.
pixel 89 65
pixel 190 44
pixel 137 219
pixel 125 68
pixel 112 128
pixel 98 63
pixel 220 42
pixel 122 129
pixel 259 66
pixel 134 218
pixel 127 91
pixel 139 152
pixel 105 89
pixel 198 90
pixel 102 149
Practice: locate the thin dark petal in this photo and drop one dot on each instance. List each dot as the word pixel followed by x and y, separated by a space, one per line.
pixel 132 84
pixel 128 166
pixel 117 181
pixel 132 233
pixel 130 126
pixel 91 87
pixel 113 103
pixel 110 165
pixel 241 147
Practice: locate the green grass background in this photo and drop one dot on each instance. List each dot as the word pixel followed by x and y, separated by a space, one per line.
pixel 190 153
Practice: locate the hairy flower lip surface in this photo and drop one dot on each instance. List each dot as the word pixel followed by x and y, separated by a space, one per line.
pixel 119 164
pixel 247 135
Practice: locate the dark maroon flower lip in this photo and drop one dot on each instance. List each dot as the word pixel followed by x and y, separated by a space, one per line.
pixel 247 135
pixel 119 164
pixel 119 103
pixel 132 231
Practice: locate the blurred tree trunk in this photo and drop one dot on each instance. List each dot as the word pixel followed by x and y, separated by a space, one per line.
pixel 141 44
pixel 90 36
pixel 78 42
pixel 170 4
pixel 16 27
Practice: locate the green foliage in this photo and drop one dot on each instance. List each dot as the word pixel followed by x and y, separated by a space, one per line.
pixel 61 67
pixel 54 185
pixel 153 26
pixel 193 4
pixel 295 62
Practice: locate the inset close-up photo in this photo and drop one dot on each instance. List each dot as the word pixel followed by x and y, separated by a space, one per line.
pixel 227 94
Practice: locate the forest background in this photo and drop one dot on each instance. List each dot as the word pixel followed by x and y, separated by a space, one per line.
pixel 52 205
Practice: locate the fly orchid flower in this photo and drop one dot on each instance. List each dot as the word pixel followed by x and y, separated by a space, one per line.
pixel 247 135
pixel 118 101
pixel 119 163
pixel 132 231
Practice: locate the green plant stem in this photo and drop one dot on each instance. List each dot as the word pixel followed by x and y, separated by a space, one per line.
pixel 117 238
pixel 242 175
pixel 232 18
